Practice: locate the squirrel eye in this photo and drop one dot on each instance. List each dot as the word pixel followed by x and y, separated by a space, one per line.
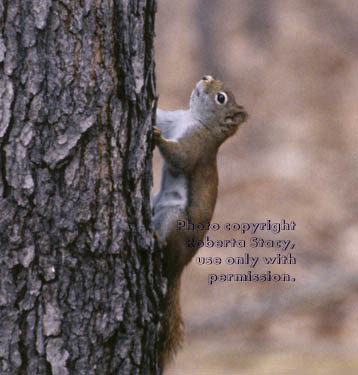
pixel 221 98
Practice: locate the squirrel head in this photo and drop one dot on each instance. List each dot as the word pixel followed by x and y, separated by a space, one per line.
pixel 215 107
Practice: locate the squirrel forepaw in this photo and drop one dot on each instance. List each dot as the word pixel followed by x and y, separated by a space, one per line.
pixel 157 134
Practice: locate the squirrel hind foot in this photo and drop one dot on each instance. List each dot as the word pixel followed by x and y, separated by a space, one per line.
pixel 162 243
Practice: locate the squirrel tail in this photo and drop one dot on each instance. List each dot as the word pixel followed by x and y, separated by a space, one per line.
pixel 172 325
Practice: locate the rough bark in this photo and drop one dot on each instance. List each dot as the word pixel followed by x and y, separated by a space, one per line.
pixel 79 288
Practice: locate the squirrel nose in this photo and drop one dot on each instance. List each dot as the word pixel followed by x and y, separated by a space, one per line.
pixel 244 114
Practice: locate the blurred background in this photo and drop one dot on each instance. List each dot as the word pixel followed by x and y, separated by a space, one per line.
pixel 293 65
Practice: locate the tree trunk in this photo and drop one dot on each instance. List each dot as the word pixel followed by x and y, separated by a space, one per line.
pixel 80 282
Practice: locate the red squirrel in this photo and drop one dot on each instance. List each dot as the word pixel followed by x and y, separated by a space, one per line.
pixel 188 141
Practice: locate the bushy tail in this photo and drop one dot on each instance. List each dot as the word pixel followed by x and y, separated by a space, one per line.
pixel 172 325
